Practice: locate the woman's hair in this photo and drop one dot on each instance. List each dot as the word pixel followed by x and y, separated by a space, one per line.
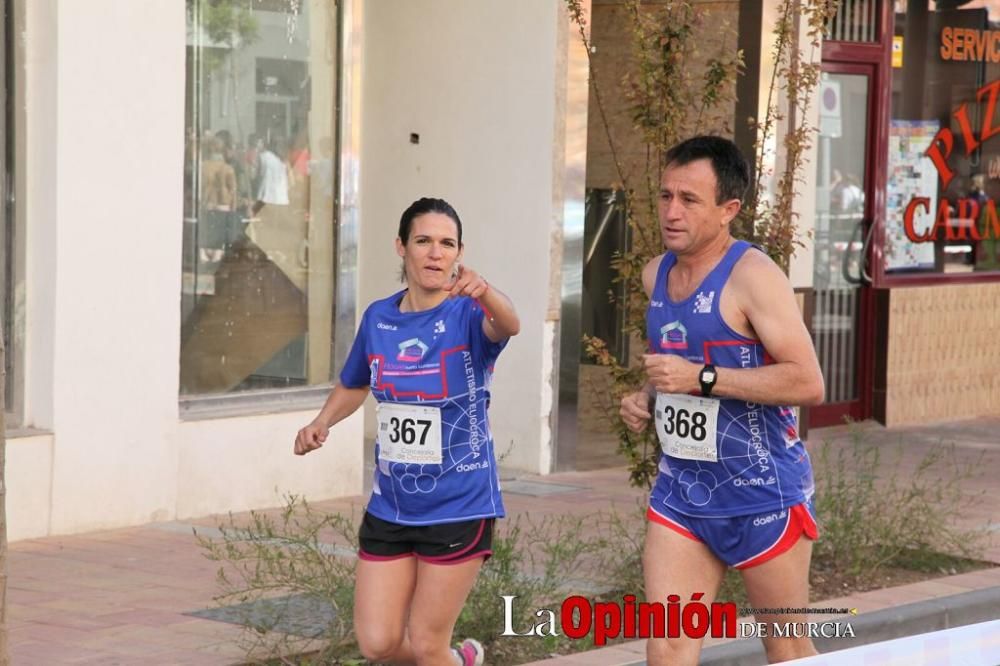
pixel 422 207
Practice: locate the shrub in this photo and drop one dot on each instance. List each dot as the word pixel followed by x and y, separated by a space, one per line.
pixel 289 555
pixel 873 514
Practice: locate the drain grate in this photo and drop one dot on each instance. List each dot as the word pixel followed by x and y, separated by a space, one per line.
pixel 297 614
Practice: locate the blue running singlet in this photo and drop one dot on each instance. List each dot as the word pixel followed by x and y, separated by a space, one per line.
pixel 430 372
pixel 761 464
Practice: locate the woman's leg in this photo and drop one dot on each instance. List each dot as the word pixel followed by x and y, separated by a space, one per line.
pixel 440 593
pixel 382 595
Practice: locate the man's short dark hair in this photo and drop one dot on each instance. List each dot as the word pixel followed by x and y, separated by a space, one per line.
pixel 732 172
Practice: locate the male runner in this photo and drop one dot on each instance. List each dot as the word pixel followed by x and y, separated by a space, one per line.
pixel 728 354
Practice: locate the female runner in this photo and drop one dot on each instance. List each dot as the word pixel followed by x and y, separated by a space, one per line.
pixel 427 355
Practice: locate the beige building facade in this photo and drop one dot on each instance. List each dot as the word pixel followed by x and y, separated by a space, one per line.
pixel 202 197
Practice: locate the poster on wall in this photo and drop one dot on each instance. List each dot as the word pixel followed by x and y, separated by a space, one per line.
pixel 911 174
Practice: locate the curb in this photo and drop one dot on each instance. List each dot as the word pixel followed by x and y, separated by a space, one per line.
pixel 881 625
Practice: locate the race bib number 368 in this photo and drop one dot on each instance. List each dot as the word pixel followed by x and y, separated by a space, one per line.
pixel 409 433
pixel 686 426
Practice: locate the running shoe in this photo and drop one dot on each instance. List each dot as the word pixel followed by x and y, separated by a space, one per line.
pixel 471 652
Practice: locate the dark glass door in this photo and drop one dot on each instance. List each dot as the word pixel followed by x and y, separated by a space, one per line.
pixel 844 214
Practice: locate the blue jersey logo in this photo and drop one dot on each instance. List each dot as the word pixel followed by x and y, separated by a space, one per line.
pixel 703 302
pixel 673 336
pixel 411 350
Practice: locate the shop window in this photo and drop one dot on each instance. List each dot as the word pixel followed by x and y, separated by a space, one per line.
pixel 12 247
pixel 854 21
pixel 944 140
pixel 260 160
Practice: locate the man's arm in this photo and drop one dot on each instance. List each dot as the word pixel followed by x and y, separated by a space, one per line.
pixel 764 299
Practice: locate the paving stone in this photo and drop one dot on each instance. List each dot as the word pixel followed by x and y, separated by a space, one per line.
pixel 297 614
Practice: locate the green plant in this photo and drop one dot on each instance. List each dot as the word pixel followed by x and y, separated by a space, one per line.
pixel 667 100
pixel 875 515
pixel 288 555
pixel 292 553
pixel 674 89
pixel 773 221
pixel 230 26
pixel 228 23
pixel 619 541
pixel 531 558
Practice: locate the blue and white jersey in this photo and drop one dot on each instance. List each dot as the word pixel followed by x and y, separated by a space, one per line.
pixel 761 463
pixel 441 359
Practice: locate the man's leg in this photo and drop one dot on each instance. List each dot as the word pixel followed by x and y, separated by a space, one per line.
pixel 782 582
pixel 676 564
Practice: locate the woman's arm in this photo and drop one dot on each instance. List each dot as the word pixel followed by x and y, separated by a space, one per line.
pixel 501 321
pixel 341 403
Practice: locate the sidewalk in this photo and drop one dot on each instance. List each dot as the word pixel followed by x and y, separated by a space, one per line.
pixel 121 596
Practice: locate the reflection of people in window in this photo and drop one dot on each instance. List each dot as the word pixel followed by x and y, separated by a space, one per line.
pixel 251 161
pixel 277 228
pixel 231 153
pixel 846 195
pixel 987 257
pixel 218 200
pixel 321 168
pixel 273 188
pixel 853 198
pixel 977 190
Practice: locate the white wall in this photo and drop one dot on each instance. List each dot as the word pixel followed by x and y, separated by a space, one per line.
pixel 242 463
pixel 476 81
pixel 117 196
pixel 105 132
pixel 29 486
pixel 800 271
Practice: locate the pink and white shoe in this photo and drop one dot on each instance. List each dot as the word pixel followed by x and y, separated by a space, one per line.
pixel 471 652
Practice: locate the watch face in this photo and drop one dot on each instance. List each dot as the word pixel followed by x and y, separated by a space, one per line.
pixel 707 376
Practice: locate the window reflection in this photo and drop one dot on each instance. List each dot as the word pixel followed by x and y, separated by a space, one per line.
pixel 944 157
pixel 838 267
pixel 259 233
pixel 840 194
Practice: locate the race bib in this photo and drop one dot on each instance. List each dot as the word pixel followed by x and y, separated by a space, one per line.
pixel 409 433
pixel 686 426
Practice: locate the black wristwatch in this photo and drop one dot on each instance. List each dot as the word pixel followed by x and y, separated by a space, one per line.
pixel 707 378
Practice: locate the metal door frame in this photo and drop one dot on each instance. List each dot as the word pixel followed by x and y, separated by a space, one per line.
pixel 861 406
pixel 874 60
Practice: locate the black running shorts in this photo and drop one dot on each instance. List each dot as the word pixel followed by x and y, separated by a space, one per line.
pixel 446 543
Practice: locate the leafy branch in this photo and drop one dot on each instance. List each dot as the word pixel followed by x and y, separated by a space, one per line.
pixel 678 85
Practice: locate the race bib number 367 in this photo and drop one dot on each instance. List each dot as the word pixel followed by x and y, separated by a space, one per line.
pixel 409 433
pixel 686 426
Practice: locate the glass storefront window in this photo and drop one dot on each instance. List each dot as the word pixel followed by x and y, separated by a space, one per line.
pixel 11 189
pixel 944 152
pixel 258 271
